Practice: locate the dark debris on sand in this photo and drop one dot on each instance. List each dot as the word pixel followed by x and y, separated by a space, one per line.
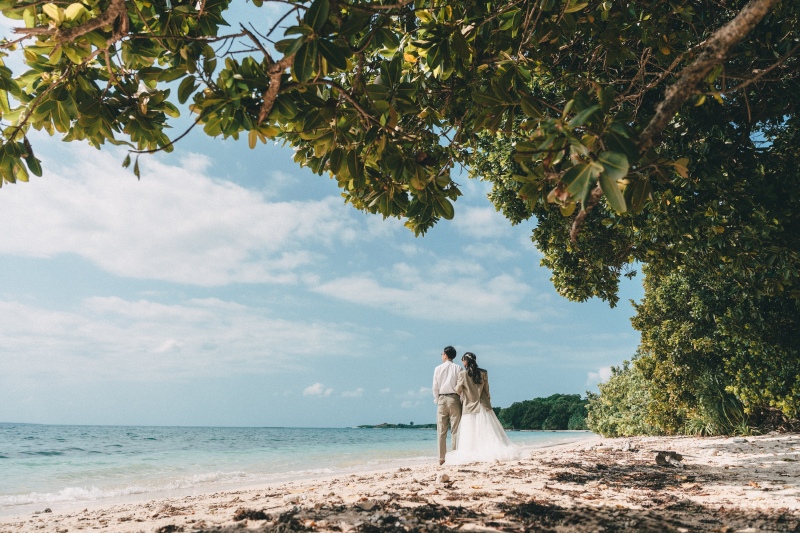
pixel 575 499
pixel 514 516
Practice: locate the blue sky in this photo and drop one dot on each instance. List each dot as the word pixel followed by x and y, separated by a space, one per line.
pixel 231 287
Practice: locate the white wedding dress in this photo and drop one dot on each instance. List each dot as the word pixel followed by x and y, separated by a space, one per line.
pixel 481 438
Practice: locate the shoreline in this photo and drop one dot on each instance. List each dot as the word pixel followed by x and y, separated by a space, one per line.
pixel 722 484
pixel 86 494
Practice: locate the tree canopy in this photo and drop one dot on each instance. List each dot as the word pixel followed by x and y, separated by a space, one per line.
pixel 389 96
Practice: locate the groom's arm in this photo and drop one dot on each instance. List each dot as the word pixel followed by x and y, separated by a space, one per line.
pixel 460 383
pixel 435 387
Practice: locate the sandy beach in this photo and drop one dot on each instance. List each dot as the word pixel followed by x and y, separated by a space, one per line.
pixel 708 484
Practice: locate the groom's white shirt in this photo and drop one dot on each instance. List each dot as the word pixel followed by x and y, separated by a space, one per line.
pixel 445 377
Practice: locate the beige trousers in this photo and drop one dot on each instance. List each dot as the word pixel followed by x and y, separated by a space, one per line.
pixel 448 413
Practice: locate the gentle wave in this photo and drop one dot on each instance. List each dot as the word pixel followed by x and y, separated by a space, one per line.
pixel 47 465
pixel 78 494
pixel 93 493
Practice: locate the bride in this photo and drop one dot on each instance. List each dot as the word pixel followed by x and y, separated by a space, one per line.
pixel 480 434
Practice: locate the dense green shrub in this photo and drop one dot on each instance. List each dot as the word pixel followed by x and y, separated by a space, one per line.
pixel 621 408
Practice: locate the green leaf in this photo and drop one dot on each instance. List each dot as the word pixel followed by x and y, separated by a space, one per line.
pixel 583 116
pixel 53 11
pixel 460 45
pixel 488 100
pixel 579 178
pixel 29 17
pixel 332 53
pixel 377 92
pixel 20 174
pixel 615 165
pixel 385 205
pixel 355 168
pixel 575 6
pixel 74 11
pixel 35 165
pixel 637 195
pixel 186 88
pixel 61 118
pixel 336 159
pixel 612 193
pixel 317 14
pixel 284 105
pixel 290 46
pixel 443 207
pixel 305 62
pixel 388 39
pixel 529 107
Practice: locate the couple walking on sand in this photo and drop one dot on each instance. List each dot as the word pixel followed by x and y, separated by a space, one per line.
pixel 464 405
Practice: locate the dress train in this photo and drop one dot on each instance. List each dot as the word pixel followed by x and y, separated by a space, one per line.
pixel 481 438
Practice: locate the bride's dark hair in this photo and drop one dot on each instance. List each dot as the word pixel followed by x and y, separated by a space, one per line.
pixel 473 370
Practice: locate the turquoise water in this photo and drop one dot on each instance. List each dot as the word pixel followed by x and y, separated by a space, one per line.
pixel 52 466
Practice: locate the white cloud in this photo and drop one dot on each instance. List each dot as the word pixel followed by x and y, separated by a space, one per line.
pixel 358 393
pixel 169 345
pixel 452 291
pixel 111 338
pixel 177 224
pixel 481 223
pixel 601 376
pixel 317 389
pixel 415 398
pixel 420 393
pixel 495 251
pixel 387 390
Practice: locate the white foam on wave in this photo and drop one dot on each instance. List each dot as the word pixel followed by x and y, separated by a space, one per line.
pixel 94 493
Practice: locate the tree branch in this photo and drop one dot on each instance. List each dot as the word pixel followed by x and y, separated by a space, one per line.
pixel 580 218
pixel 715 51
pixel 275 73
pixel 762 73
pixel 116 11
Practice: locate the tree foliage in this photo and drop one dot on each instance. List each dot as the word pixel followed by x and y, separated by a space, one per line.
pixel 712 361
pixel 621 408
pixel 388 97
pixel 559 411
pixel 705 343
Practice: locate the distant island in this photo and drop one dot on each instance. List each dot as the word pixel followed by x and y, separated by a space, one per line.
pixel 556 412
pixel 410 425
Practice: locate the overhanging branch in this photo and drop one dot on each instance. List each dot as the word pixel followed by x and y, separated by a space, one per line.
pixel 116 11
pixel 715 51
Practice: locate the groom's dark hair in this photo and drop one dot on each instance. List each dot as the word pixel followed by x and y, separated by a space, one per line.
pixel 450 352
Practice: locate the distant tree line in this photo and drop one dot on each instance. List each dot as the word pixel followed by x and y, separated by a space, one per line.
pixel 559 411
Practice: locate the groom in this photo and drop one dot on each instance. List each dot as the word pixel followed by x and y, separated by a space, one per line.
pixel 448 403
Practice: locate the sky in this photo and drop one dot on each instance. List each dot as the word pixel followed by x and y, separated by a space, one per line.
pixel 230 287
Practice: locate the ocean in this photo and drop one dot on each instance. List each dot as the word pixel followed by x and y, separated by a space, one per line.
pixel 68 466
